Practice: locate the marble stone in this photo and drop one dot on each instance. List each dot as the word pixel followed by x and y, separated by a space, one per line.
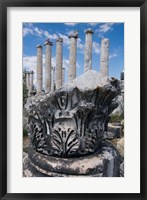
pixel 104 57
pixel 39 69
pixel 48 66
pixel 31 81
pixel 113 131
pixel 53 79
pixel 88 50
pixel 67 129
pixel 63 75
pixel 104 163
pixel 72 56
pixel 59 63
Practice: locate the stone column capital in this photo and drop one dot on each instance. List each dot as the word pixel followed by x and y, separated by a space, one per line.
pixel 106 41
pixel 31 72
pixel 89 30
pixel 48 42
pixel 74 34
pixel 59 39
pixel 39 46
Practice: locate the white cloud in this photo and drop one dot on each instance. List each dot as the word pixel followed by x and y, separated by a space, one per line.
pixel 93 23
pixel 66 63
pixel 71 24
pixel 50 36
pixel 29 62
pixel 105 27
pixel 96 47
pixel 34 30
pixel 38 31
pixel 113 55
pixel 27 31
pixel 28 24
pixel 79 44
pixel 77 64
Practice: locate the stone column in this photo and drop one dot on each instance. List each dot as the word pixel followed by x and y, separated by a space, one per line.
pixel 88 50
pixel 39 69
pixel 25 77
pixel 104 57
pixel 48 45
pixel 59 63
pixel 27 80
pixel 63 75
pixel 31 81
pixel 53 79
pixel 72 56
pixel 28 83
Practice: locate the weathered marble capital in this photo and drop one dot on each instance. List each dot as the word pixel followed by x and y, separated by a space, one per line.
pixel 39 46
pixel 74 34
pixel 68 128
pixel 59 40
pixel 31 72
pixel 48 42
pixel 89 30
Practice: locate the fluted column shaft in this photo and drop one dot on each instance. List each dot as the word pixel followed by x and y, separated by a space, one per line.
pixel 39 69
pixel 59 63
pixel 63 75
pixel 27 80
pixel 88 50
pixel 104 57
pixel 48 45
pixel 31 81
pixel 53 78
pixel 72 56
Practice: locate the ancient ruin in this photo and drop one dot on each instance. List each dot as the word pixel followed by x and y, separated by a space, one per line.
pixel 72 56
pixel 59 63
pixel 39 69
pixel 104 57
pixel 28 81
pixel 68 124
pixel 88 50
pixel 48 57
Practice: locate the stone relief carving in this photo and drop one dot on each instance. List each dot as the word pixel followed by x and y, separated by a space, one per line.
pixel 70 122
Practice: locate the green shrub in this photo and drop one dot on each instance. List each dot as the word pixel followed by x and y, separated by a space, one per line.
pixel 116 118
pixel 25 133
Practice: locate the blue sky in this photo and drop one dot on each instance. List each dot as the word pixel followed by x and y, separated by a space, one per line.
pixel 37 33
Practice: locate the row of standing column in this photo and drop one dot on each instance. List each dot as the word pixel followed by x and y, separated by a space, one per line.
pixel 29 81
pixel 49 71
pixel 104 59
